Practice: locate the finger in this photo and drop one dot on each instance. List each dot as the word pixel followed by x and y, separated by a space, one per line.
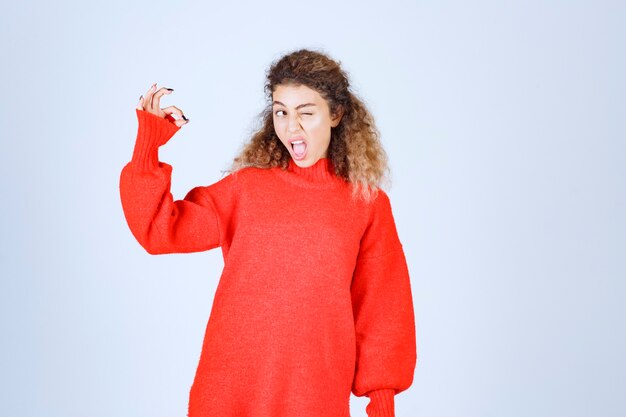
pixel 181 122
pixel 147 97
pixel 174 110
pixel 148 93
pixel 169 111
pixel 156 97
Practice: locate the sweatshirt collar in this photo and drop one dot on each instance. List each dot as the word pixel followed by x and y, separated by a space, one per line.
pixel 320 171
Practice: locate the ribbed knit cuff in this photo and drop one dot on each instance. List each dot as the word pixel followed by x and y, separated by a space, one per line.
pixel 152 132
pixel 381 403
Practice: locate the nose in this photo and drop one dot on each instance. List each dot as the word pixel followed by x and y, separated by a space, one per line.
pixel 293 124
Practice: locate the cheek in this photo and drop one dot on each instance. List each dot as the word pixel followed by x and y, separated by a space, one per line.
pixel 279 127
pixel 315 126
pixel 280 130
pixel 320 131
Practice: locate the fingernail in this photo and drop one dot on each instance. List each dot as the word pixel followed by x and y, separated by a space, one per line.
pixel 170 89
pixel 140 97
pixel 185 118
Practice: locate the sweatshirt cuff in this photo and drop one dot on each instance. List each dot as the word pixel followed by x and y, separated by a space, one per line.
pixel 152 132
pixel 381 403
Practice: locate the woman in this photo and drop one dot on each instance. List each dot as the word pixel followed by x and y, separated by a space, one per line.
pixel 314 301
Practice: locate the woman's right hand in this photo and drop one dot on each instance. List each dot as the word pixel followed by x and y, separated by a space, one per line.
pixel 150 102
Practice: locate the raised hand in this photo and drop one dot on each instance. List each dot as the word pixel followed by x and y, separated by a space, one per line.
pixel 150 102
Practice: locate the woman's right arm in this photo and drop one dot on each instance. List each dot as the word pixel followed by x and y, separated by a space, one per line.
pixel 158 222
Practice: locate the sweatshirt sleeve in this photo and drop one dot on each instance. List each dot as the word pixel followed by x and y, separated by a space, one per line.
pixel 386 351
pixel 158 222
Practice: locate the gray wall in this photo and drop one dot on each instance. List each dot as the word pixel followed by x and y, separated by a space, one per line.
pixel 505 127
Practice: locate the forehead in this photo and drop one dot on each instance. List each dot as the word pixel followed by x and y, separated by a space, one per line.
pixel 291 95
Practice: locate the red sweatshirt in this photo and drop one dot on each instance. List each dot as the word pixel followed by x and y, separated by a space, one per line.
pixel 314 301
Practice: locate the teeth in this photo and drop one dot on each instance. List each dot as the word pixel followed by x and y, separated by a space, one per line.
pixel 297 141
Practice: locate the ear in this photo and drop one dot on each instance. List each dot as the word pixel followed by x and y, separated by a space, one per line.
pixel 337 118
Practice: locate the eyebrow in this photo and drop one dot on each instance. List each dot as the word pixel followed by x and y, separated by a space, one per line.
pixel 297 107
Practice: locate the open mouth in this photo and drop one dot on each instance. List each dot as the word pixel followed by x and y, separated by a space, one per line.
pixel 299 148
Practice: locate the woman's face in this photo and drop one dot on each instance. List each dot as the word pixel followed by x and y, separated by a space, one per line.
pixel 302 116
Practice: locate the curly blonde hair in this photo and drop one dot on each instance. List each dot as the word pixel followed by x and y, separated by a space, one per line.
pixel 355 150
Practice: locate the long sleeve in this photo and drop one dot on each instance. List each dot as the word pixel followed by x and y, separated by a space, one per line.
pixel 158 222
pixel 383 314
